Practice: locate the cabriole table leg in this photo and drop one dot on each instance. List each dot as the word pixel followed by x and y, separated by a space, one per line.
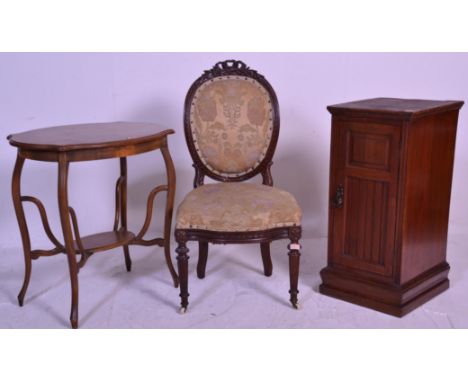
pixel 171 183
pixel 16 193
pixel 68 236
pixel 123 209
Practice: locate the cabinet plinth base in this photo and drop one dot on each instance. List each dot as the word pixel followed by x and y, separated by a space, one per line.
pixel 386 298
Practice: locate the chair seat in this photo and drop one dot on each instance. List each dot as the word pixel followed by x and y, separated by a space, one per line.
pixel 235 207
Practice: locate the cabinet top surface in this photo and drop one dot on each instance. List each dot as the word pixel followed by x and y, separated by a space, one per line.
pixel 88 136
pixel 405 108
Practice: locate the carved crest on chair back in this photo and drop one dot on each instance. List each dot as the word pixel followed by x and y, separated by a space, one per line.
pixel 231 123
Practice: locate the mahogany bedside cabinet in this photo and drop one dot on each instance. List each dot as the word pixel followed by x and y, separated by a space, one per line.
pixel 75 143
pixel 390 183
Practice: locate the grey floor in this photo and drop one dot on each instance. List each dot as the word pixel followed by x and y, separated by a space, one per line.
pixel 234 294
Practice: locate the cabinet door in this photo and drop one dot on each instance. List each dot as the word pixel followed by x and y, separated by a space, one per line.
pixel 363 193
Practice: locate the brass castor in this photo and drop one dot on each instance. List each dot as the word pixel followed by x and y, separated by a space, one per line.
pixel 296 305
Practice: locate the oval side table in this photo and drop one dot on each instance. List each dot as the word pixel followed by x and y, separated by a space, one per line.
pixel 86 142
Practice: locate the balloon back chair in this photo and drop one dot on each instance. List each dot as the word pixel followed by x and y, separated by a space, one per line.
pixel 231 124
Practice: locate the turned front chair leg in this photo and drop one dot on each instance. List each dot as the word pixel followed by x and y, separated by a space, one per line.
pixel 19 210
pixel 294 256
pixel 171 186
pixel 123 209
pixel 68 237
pixel 266 259
pixel 182 265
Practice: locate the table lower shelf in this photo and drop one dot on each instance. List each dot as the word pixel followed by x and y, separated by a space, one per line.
pixel 104 241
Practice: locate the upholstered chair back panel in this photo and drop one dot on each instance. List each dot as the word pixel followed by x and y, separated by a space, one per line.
pixel 231 122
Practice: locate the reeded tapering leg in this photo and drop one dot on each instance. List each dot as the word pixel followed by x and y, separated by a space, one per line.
pixel 182 265
pixel 171 183
pixel 202 258
pixel 294 256
pixel 266 258
pixel 123 208
pixel 68 236
pixel 16 193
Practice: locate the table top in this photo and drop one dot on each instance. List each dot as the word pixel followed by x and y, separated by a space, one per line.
pixel 88 136
pixel 396 106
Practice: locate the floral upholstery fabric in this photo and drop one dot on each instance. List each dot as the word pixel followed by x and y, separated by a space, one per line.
pixel 231 207
pixel 231 123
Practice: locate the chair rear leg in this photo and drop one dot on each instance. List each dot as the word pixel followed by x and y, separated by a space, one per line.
pixel 202 258
pixel 266 258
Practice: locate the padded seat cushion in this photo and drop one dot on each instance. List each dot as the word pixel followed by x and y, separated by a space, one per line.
pixel 232 207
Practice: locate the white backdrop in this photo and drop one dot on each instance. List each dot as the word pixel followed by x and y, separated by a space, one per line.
pixel 40 89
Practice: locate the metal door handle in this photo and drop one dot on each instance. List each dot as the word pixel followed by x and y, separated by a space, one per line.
pixel 338 199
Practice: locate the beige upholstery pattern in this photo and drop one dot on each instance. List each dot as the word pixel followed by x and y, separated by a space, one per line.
pixel 231 123
pixel 232 207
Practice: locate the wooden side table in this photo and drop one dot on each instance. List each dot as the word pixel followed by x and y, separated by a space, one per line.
pixel 74 143
pixel 390 183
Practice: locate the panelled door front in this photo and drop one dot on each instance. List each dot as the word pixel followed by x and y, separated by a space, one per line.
pixel 363 193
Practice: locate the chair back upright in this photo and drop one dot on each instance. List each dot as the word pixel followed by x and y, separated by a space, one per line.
pixel 231 124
